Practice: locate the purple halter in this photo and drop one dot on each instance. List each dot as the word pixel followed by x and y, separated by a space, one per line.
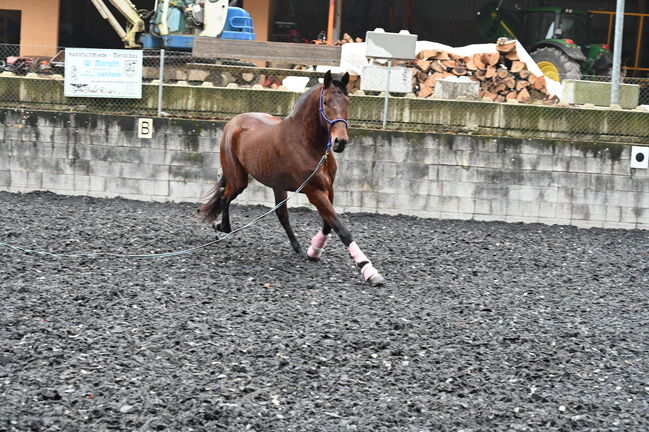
pixel 323 119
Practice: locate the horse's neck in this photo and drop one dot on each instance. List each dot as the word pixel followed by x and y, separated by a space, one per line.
pixel 309 120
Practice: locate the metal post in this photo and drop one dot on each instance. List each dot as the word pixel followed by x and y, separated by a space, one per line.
pixel 387 95
pixel 330 22
pixel 161 77
pixel 617 53
pixel 338 20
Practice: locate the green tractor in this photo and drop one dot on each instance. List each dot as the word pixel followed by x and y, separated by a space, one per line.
pixel 558 39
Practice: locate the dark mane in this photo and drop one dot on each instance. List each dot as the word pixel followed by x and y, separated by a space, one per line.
pixel 299 104
pixel 297 108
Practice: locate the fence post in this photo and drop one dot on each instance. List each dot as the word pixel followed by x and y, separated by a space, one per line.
pixel 161 77
pixel 617 53
pixel 387 95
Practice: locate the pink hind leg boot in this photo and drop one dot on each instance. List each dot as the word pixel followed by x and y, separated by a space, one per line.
pixel 318 243
pixel 367 270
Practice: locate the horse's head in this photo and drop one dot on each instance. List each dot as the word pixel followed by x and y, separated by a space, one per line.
pixel 335 101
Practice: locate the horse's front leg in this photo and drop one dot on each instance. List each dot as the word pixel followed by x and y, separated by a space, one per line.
pixel 320 200
pixel 282 215
pixel 319 241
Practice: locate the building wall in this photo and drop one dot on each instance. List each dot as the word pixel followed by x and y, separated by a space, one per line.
pixel 447 22
pixel 260 11
pixel 39 29
pixel 449 176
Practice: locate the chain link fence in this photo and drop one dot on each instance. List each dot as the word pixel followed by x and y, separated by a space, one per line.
pixel 179 85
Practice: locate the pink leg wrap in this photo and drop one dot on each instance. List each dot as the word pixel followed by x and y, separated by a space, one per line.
pixel 368 269
pixel 318 243
pixel 357 253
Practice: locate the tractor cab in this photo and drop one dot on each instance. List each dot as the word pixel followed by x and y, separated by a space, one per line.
pixel 557 38
pixel 555 23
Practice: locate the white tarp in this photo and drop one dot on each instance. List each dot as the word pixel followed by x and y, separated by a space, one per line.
pixel 353 60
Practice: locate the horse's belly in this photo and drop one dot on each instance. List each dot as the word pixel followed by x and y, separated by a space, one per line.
pixel 266 151
pixel 257 150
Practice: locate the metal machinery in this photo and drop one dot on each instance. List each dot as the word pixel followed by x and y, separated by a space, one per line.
pixel 175 24
pixel 135 22
pixel 558 39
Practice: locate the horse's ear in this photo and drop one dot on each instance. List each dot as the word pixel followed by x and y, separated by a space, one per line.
pixel 345 79
pixel 327 79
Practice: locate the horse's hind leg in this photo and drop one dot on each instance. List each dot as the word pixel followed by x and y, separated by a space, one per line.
pixel 224 224
pixel 321 200
pixel 237 182
pixel 282 215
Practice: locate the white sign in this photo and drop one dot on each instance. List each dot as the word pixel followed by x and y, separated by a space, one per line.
pixel 390 46
pixel 374 78
pixel 103 73
pixel 145 128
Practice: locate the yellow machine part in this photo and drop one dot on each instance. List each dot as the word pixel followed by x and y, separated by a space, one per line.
pixel 549 70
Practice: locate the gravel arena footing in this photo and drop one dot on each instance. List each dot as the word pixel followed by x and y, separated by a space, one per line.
pixel 482 326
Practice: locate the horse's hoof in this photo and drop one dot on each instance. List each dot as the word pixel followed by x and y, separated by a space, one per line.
pixel 376 280
pixel 218 227
pixel 297 249
pixel 313 253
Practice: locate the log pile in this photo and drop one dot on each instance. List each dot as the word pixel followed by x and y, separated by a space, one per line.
pixel 502 75
pixel 347 39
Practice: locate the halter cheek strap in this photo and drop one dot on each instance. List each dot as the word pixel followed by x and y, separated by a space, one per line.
pixel 330 123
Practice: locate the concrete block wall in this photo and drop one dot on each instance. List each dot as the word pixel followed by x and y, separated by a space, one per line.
pixel 427 175
pixel 505 179
pixel 81 154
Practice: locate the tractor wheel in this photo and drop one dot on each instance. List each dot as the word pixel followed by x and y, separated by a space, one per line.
pixel 555 64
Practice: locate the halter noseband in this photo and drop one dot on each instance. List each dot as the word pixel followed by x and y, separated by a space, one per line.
pixel 323 119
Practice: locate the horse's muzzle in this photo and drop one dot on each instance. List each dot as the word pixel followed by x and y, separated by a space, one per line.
pixel 339 145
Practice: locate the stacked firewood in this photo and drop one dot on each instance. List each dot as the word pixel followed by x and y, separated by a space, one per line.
pixel 347 39
pixel 502 75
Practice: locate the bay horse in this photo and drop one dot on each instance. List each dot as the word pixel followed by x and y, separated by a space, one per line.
pixel 281 154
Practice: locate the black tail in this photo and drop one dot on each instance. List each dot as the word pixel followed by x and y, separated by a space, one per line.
pixel 211 210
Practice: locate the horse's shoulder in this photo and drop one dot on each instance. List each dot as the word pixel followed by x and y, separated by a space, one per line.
pixel 259 117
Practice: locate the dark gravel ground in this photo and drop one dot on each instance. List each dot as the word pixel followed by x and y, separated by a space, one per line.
pixel 482 326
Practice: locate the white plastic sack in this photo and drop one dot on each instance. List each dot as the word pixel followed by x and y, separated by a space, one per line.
pixel 353 60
